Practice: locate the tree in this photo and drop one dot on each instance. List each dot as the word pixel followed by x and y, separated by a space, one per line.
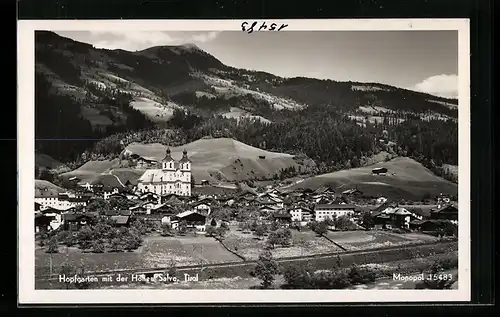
pixel 319 228
pixel 261 230
pixel 343 223
pixel 98 205
pixel 85 236
pixel 359 275
pixel 274 226
pixel 266 269
pixel 119 203
pixel 116 245
pixel 299 276
pixel 182 227
pixel 98 246
pixel 166 230
pixel 46 175
pixel 52 245
pixel 367 220
pixel 211 230
pixel 221 232
pixel 281 237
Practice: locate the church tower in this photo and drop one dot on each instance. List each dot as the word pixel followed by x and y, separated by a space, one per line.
pixel 168 162
pixel 185 163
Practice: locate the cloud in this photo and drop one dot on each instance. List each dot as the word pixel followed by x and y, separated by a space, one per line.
pixel 439 85
pixel 139 40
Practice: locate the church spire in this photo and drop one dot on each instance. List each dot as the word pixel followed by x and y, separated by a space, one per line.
pixel 184 156
pixel 168 155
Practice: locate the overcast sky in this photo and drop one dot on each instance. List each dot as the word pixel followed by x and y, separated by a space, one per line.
pixel 419 60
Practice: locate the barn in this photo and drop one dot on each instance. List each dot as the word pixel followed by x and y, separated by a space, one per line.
pixel 379 170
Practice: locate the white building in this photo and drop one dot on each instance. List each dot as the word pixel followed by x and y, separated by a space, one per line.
pixel 171 177
pixel 61 201
pixel 325 211
pixel 301 214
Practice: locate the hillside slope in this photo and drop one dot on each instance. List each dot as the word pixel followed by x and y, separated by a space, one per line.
pixel 224 159
pixel 45 187
pixel 405 179
pixel 215 160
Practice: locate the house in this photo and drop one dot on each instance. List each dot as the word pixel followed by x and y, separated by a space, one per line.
pixel 73 221
pixel 301 214
pixel 269 208
pixel 143 208
pixel 162 209
pixel 379 170
pixel 323 212
pixel 381 221
pixel 170 176
pixel 110 213
pixel 150 197
pixel 325 190
pixel 47 221
pixel 202 206
pixel 120 220
pixel 352 192
pixel 447 212
pixel 193 219
pixel 381 200
pixel 283 218
pixel 171 199
pixel 428 225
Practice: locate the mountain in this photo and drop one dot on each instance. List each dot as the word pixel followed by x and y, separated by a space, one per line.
pixel 175 95
pixel 405 179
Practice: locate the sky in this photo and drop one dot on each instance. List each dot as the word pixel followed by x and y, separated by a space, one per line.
pixel 424 61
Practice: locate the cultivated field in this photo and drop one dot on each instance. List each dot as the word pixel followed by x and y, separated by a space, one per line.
pixel 405 179
pixel 155 252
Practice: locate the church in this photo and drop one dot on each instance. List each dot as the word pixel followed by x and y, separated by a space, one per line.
pixel 170 177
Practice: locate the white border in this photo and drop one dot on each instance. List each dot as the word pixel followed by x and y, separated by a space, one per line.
pixel 27 292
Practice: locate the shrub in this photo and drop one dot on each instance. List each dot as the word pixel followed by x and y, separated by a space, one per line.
pixel 359 275
pixel 98 246
pixel 330 279
pixel 298 276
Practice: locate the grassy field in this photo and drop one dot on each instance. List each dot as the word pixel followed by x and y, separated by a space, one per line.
pixel 156 251
pixel 231 159
pixel 42 185
pixel 307 242
pixel 405 178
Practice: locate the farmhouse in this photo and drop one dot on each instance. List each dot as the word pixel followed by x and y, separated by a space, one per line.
pixel 352 192
pixel 448 212
pixel 323 212
pixel 171 177
pixel 192 218
pixel 379 170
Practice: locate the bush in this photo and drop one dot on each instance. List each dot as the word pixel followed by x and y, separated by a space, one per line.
pixel 330 279
pixel 299 276
pixel 359 275
pixel 98 246
pixel 282 237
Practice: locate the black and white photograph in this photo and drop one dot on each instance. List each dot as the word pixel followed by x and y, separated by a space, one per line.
pixel 258 161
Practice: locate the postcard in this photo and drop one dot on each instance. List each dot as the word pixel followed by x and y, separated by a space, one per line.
pixel 240 161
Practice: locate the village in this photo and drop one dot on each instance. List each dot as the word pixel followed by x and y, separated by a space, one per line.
pixel 163 220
